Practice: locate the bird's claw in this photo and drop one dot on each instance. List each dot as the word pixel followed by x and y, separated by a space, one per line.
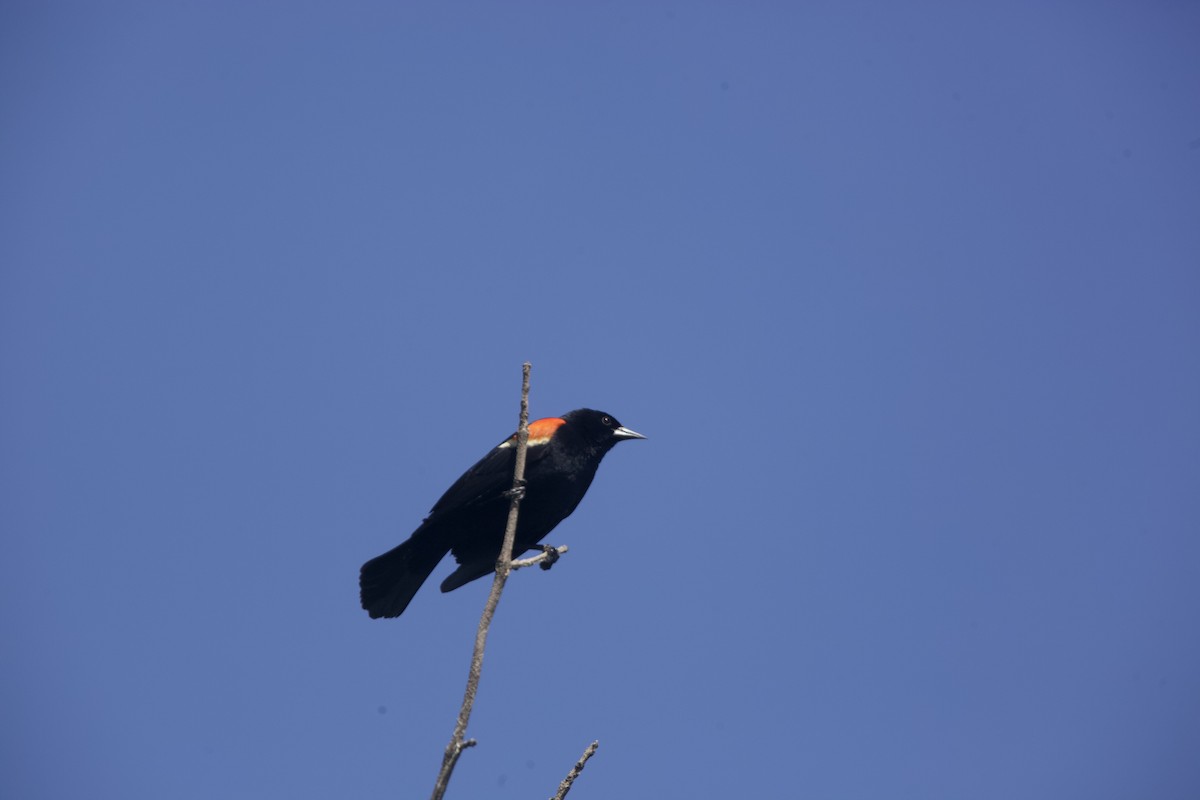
pixel 517 492
pixel 552 555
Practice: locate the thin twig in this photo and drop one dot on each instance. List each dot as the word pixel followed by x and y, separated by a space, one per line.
pixel 543 558
pixel 565 786
pixel 503 567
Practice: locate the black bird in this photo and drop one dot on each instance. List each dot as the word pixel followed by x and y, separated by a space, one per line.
pixel 562 457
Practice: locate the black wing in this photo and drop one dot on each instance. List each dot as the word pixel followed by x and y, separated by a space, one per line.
pixel 485 482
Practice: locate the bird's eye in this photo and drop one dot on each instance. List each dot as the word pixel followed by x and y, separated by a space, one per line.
pixel 606 420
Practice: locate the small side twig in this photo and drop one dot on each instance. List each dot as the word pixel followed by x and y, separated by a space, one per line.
pixel 503 567
pixel 565 786
pixel 546 558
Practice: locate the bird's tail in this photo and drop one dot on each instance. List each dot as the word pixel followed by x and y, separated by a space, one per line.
pixel 388 582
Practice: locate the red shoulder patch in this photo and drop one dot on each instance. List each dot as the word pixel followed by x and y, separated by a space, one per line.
pixel 540 431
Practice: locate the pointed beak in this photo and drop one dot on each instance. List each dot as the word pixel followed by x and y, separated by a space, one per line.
pixel 626 433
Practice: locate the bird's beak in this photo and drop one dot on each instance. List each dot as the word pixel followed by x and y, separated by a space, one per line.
pixel 626 433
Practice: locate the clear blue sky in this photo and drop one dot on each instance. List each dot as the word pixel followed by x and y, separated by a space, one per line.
pixel 906 297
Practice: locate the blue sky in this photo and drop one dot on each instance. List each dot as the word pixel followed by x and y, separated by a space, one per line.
pixel 904 297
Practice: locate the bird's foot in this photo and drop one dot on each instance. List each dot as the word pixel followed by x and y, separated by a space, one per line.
pixel 552 555
pixel 517 492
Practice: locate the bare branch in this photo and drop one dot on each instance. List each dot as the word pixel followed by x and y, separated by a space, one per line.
pixel 503 567
pixel 547 557
pixel 565 786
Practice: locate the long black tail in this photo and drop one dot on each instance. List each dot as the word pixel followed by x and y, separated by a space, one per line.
pixel 388 582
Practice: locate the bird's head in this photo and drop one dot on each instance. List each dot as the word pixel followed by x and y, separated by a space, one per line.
pixel 599 428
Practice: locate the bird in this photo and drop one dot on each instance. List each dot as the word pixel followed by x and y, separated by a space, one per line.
pixel 562 456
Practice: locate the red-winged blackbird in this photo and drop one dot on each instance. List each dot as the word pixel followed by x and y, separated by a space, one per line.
pixel 562 457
